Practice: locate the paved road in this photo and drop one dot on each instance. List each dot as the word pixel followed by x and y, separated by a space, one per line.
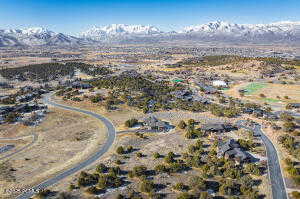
pixel 34 135
pixel 275 175
pixel 110 139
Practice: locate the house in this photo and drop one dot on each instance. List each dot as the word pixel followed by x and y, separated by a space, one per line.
pixel 2 119
pixel 6 148
pixel 270 116
pixel 219 83
pixel 294 105
pixel 80 85
pixel 27 89
pixel 232 150
pixel 152 123
pixel 202 99
pixel 207 89
pixel 4 110
pixel 183 94
pixel 27 97
pixel 217 127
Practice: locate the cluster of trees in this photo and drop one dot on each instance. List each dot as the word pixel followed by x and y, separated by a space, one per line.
pixel 289 143
pixel 139 91
pixel 102 179
pixel 89 69
pixel 121 150
pixel 131 122
pixel 96 98
pixel 8 100
pixel 191 131
pixel 222 111
pixel 293 171
pixel 51 71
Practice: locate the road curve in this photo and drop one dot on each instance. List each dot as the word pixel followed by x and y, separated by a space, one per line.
pixel 275 173
pixel 110 139
pixel 34 135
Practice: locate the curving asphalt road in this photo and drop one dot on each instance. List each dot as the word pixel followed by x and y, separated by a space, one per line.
pixel 34 135
pixel 275 173
pixel 110 139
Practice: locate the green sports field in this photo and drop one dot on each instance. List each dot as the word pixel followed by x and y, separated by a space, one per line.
pixel 254 87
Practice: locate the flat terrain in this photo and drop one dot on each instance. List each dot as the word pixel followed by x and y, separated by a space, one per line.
pixel 64 139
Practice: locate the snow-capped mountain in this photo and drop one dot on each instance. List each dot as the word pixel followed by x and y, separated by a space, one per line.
pixel 118 31
pixel 273 32
pixel 35 37
pixel 219 31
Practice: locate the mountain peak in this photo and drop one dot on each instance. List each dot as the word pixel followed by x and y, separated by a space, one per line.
pixel 114 30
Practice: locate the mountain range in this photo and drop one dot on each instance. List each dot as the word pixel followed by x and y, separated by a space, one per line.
pixel 219 31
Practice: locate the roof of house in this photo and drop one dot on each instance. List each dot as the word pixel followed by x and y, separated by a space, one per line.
pixel 216 127
pixel 295 105
pixel 154 122
pixel 232 148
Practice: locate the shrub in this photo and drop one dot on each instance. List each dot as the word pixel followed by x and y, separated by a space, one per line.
pixel 191 121
pixel 177 167
pixel 129 149
pixel 109 181
pixel 197 183
pixel 289 126
pixel 180 187
pixel 169 159
pixel 86 179
pixel 252 169
pixel 262 95
pixel 147 186
pixel 139 154
pixel 118 162
pixel 156 155
pixel 101 168
pixel 115 170
pixel 72 187
pixel 184 196
pixel 182 124
pixel 139 171
pixel 131 123
pixel 120 196
pixel 92 190
pixel 160 168
pixel 43 193
pixel 120 150
pixel 296 194
pixel 11 117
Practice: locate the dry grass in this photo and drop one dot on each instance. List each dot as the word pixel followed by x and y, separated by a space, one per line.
pixel 64 139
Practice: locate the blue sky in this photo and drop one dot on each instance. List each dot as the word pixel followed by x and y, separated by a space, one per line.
pixel 73 16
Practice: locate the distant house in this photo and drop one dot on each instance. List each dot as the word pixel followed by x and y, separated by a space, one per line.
pixel 202 99
pixel 294 105
pixel 219 83
pixel 270 116
pixel 232 150
pixel 4 110
pixel 27 97
pixel 1 119
pixel 183 94
pixel 152 123
pixel 80 85
pixel 207 89
pixel 217 127
pixel 6 148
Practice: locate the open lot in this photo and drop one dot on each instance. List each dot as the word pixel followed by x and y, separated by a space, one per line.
pixel 64 139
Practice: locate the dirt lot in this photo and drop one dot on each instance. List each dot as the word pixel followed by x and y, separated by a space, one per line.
pixel 64 139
